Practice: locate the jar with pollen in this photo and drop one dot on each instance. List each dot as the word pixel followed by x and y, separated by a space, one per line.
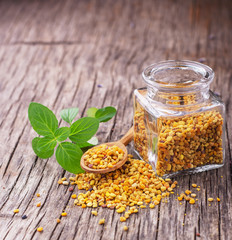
pixel 178 121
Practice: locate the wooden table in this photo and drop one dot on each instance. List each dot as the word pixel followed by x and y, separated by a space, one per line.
pixel 91 53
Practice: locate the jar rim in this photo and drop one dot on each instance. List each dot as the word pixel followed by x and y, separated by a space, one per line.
pixel 178 74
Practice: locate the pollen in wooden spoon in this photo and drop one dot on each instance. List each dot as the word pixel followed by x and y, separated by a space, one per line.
pixel 103 156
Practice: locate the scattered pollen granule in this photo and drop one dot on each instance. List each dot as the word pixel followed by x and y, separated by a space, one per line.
pixel 191 201
pixel 94 213
pixel 125 228
pixel 65 183
pixel 102 221
pixel 40 229
pixel 74 196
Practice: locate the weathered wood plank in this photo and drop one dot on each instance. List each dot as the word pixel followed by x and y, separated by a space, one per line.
pixel 91 53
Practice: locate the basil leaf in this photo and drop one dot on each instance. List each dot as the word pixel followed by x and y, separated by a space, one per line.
pixel 43 120
pixel 69 114
pixel 91 112
pixel 83 129
pixel 46 143
pixel 68 155
pixel 41 154
pixel 92 142
pixel 62 133
pixel 105 114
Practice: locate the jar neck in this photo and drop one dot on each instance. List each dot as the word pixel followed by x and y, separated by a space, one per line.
pixel 178 97
pixel 178 82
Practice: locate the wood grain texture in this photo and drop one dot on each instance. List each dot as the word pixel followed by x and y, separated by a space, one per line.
pixel 91 53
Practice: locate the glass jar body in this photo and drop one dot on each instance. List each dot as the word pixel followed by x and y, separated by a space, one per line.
pixel 179 140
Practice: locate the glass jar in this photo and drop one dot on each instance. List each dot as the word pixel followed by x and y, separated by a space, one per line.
pixel 178 121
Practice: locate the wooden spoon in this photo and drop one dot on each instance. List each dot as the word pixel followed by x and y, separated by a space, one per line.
pixel 121 144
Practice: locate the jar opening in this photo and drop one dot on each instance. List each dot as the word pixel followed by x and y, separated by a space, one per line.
pixel 182 75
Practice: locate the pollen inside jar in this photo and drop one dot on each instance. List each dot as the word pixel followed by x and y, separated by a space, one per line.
pixel 103 156
pixel 178 121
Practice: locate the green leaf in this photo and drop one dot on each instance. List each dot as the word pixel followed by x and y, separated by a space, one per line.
pixel 43 120
pixel 62 133
pixel 69 114
pixel 105 114
pixel 92 142
pixel 91 112
pixel 68 155
pixel 154 144
pixel 83 129
pixel 41 154
pixel 46 143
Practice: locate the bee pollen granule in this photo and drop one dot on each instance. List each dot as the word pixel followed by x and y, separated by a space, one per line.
pixel 101 221
pixel 40 229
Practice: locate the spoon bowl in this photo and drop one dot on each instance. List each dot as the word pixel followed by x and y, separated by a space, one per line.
pixel 121 144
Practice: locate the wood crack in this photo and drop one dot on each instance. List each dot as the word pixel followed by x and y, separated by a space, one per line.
pixel 46 43
pixel 13 185
pixel 12 153
pixel 157 223
pixel 76 227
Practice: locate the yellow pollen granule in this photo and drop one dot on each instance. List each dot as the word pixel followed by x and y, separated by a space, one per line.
pixel 63 214
pixel 40 229
pixel 94 213
pixel 74 196
pixel 101 221
pixel 188 192
pixel 60 182
pixel 125 228
pixel 210 199
pixel 16 210
pixel 151 205
pixel 122 219
pixel 218 199
pixel 191 201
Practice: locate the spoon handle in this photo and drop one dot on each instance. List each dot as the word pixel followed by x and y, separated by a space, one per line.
pixel 127 137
